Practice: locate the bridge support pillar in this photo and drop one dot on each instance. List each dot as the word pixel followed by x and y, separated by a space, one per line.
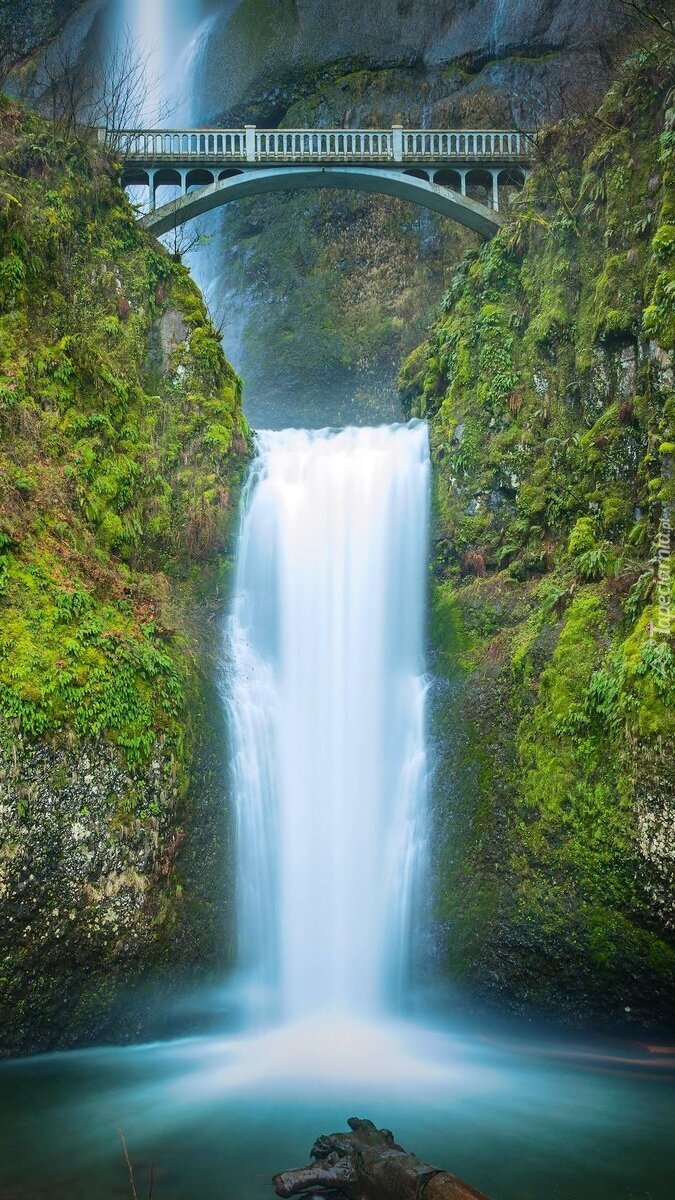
pixel 462 180
pixel 250 143
pixel 495 190
pixel 397 142
pixel 183 172
pixel 152 199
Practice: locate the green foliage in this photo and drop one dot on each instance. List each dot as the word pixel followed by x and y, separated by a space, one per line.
pixel 594 563
pixel 70 659
pixel 582 537
pixel 120 436
pixel 547 379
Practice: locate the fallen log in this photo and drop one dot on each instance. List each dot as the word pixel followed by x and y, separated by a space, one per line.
pixel 367 1164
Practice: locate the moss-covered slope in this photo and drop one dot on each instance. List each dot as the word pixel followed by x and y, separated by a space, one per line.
pixel 548 383
pixel 121 437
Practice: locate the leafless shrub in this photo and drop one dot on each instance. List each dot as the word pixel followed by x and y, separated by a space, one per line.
pixel 472 562
pixel 110 91
pixel 183 240
pixel 125 97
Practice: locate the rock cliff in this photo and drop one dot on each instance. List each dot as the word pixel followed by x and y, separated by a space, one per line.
pixel 548 384
pixel 272 50
pixel 121 444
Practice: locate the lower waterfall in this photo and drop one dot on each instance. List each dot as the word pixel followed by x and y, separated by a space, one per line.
pixel 326 697
pixel 326 700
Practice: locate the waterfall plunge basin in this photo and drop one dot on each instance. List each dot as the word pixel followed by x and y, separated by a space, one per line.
pixel 525 1119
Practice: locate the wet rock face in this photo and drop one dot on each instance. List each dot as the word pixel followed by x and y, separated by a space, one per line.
pixel 28 25
pixel 168 334
pixel 85 859
pixel 553 798
pixel 100 889
pixel 268 46
pixel 260 54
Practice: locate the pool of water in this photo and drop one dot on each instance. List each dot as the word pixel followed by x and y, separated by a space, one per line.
pixel 213 1118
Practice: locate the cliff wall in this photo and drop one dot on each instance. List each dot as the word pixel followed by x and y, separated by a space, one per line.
pixel 548 384
pixel 121 444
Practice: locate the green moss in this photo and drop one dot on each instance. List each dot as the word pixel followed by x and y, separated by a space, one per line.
pixel 448 633
pixel 117 458
pixel 551 420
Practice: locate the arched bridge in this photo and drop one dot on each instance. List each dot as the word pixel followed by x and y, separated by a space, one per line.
pixel 459 173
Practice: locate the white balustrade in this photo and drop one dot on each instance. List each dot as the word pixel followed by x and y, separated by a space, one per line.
pixel 380 146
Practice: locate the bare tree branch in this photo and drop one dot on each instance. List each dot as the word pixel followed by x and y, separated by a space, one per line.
pixel 111 90
pixel 182 240
pixel 129 1163
pixel 655 17
pixel 127 97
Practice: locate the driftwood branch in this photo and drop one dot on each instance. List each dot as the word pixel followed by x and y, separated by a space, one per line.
pixel 367 1164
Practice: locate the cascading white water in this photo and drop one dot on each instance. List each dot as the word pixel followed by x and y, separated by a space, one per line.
pixel 326 701
pixel 166 39
pixel 327 693
pixel 496 38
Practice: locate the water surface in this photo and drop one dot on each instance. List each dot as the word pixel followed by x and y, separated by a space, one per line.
pixel 530 1120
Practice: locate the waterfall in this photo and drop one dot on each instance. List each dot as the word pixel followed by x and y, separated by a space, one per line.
pixel 496 39
pixel 326 701
pixel 191 66
pixel 166 37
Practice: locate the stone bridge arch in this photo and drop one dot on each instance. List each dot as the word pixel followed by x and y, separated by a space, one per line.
pixel 204 189
pixel 458 173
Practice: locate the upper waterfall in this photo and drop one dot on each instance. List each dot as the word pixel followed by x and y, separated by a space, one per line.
pixel 327 712
pixel 166 38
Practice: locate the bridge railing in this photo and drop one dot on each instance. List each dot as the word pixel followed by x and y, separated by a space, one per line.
pixel 483 143
pixel 251 145
pixel 359 144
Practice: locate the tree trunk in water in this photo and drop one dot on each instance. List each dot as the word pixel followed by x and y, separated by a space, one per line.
pixel 368 1164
